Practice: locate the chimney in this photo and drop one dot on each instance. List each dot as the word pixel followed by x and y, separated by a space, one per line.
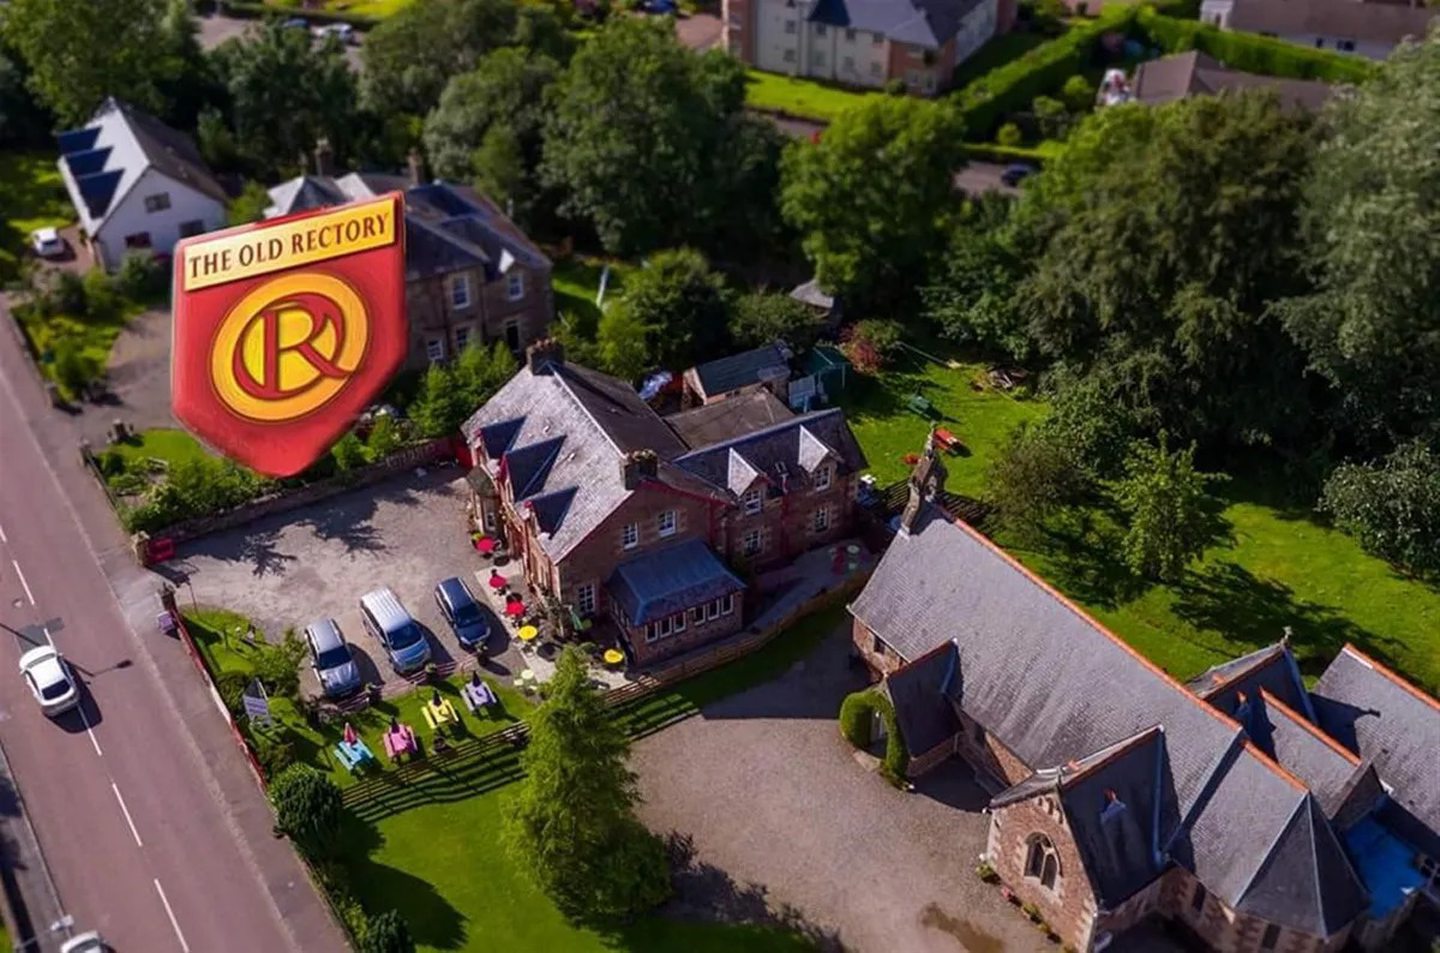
pixel 927 482
pixel 417 168
pixel 543 353
pixel 637 466
pixel 324 157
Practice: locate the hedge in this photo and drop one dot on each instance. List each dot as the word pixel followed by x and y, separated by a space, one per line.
pixel 1251 52
pixel 855 720
pixel 1037 154
pixel 1012 87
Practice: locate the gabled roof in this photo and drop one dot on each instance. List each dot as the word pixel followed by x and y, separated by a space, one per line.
pixel 725 374
pixel 1381 717
pixel 928 24
pixel 666 581
pixel 560 435
pixel 777 452
pixel 1194 73
pixel 119 144
pixel 1272 668
pixel 1300 747
pixel 1370 22
pixel 923 700
pixel 1234 805
pixel 727 419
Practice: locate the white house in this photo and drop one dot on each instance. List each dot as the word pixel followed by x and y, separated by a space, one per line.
pixel 136 184
pixel 1348 26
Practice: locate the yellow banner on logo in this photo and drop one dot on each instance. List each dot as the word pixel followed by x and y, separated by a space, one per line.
pixel 304 242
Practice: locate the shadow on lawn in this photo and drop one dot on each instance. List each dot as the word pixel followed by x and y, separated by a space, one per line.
pixel 430 917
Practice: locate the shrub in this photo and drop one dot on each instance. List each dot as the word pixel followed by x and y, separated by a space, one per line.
pixel 348 452
pixel 895 87
pixel 111 462
pixel 231 686
pixel 1009 136
pixel 66 295
pixel 1077 93
pixel 275 754
pixel 1253 53
pixel 1392 508
pixel 278 666
pixel 871 343
pixel 856 717
pixel 1031 911
pixel 140 277
pixel 387 933
pixel 384 438
pixel 986 872
pixel 308 809
pixel 102 299
pixel 74 370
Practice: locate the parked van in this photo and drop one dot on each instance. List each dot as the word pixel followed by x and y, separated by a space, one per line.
pixel 398 634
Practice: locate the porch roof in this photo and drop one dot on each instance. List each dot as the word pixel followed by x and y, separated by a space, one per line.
pixel 670 580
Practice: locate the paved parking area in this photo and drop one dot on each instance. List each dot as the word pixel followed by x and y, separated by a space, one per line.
pixel 788 827
pixel 407 532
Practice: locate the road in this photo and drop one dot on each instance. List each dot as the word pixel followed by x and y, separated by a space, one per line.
pixel 215 29
pixel 142 806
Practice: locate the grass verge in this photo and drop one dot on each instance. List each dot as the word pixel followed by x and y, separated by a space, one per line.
pixel 802 98
pixel 32 195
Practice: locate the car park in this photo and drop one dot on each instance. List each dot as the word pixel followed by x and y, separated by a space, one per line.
pixel 331 658
pixel 50 680
pixel 463 613
pixel 47 243
pixel 395 629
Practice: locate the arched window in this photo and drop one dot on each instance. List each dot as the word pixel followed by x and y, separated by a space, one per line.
pixel 1042 862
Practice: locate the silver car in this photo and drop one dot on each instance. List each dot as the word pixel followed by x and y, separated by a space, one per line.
pixel 330 657
pixel 50 680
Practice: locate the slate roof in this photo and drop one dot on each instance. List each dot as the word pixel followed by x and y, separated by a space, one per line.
pixel 1300 747
pixel 728 419
pixel 725 374
pixel 928 24
pixel 784 454
pixel 1272 668
pixel 922 697
pixel 447 227
pixel 561 435
pixel 1371 22
pixel 1378 715
pixel 1194 73
pixel 666 581
pixel 1235 807
pixel 109 154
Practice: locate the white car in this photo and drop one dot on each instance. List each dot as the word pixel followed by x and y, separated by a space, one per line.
pixel 343 32
pixel 47 243
pixel 84 943
pixel 50 680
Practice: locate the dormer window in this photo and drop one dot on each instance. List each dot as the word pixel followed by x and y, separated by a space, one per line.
pixel 822 478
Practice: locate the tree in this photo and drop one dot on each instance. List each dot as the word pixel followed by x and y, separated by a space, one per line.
pixel 308 809
pixel 441 407
pixel 73 368
pixel 488 126
pixel 1371 211
pixel 286 94
pixel 622 342
pixel 480 372
pixel 871 198
pixel 762 316
pixel 249 206
pixel 72 69
pixel 384 438
pixel 1160 237
pixel 1051 116
pixel 1392 508
pixel 1033 477
pixel 23 121
pixel 650 145
pixel 571 824
pixel 348 452
pixel 1078 94
pixel 684 306
pixel 1164 498
pixel 387 933
pixel 410 56
pixel 971 294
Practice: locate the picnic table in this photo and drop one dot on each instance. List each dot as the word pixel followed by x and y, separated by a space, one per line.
pixel 478 695
pixel 400 740
pixel 947 440
pixel 920 405
pixel 354 754
pixel 438 713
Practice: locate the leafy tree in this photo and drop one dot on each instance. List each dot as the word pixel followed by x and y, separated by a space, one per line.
pixel 1371 211
pixel 761 317
pixel 73 368
pixel 387 933
pixel 571 825
pixel 871 197
pixel 1051 116
pixel 308 809
pixel 971 294
pixel 1161 236
pixel 621 342
pixel 479 372
pixel 412 55
pixel 1392 508
pixel 72 69
pixel 249 205
pixel 872 343
pixel 441 408
pixel 348 452
pixel 1009 135
pixel 384 438
pixel 488 126
pixel 1033 477
pixel 1078 94
pixel 286 94
pixel 23 121
pixel 1165 500
pixel 649 143
pixel 684 305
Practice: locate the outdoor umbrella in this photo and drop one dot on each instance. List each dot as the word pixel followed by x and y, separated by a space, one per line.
pixel 515 609
pixel 350 736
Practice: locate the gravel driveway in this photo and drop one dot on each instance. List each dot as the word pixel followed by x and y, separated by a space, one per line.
pixel 788 827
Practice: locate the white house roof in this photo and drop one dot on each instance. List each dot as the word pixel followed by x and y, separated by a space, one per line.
pixel 104 159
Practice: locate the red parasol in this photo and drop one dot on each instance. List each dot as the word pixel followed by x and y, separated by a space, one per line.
pixel 485 545
pixel 497 581
pixel 516 608
pixel 350 736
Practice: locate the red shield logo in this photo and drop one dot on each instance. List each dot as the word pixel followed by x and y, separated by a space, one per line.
pixel 285 330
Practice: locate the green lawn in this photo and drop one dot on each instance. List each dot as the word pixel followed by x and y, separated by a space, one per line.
pixel 378 9
pixel 1274 565
pixel 163 443
pixel 32 196
pixel 576 280
pixel 802 98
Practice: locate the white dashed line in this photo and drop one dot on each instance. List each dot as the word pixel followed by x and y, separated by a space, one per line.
pixel 48 639
pixel 90 731
pixel 173 922
pixel 28 594
pixel 128 820
pixel 3 537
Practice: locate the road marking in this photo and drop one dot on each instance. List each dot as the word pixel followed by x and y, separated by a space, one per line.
pixel 46 629
pixel 28 594
pixel 3 537
pixel 91 732
pixel 173 922
pixel 128 819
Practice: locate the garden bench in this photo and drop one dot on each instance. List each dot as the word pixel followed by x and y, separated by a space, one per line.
pixel 920 405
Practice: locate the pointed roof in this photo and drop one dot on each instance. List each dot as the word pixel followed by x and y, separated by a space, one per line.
pixel 728 419
pixel 921 692
pixel 1272 668
pixel 665 581
pixel 722 375
pixel 1300 747
pixel 776 451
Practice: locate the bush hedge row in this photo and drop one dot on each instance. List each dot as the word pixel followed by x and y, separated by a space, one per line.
pixel 855 721
pixel 1251 52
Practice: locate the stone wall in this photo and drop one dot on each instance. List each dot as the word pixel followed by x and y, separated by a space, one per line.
pixel 1069 908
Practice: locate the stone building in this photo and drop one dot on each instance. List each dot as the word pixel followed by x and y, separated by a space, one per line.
pixel 1257 814
pixel 609 510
